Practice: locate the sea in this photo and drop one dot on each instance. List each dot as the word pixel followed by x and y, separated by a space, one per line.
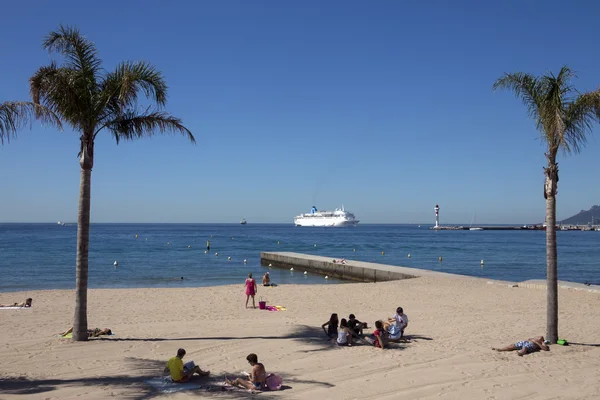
pixel 42 256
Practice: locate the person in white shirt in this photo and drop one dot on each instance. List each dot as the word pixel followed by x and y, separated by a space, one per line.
pixel 397 324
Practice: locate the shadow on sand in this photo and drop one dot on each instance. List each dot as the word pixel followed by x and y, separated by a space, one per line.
pixel 134 385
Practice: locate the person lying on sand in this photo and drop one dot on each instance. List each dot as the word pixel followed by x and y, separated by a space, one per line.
pixel 26 303
pixel 342 261
pixel 182 373
pixel 91 332
pixel 526 346
pixel 257 378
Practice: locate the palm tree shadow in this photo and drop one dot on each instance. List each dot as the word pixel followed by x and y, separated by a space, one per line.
pixel 136 386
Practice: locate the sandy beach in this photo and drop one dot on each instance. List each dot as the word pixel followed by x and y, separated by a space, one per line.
pixel 454 323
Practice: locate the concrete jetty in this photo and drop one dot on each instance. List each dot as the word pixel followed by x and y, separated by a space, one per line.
pixel 362 271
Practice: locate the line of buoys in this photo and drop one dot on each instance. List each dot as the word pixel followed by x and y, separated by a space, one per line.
pixel 482 263
pixel 305 273
pixel 168 243
pixel 440 258
pixel 228 258
pixel 136 236
pixel 245 261
pixel 383 253
pixel 408 255
pixel 189 247
pixel 116 264
pixel 315 245
pixel 291 269
pixel 354 250
pixel 217 254
pixel 278 242
pixel 326 277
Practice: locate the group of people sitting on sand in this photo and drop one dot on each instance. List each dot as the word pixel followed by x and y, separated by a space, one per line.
pixel 257 380
pixel 350 331
pixel 347 332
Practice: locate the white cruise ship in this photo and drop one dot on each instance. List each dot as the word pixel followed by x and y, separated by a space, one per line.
pixel 339 217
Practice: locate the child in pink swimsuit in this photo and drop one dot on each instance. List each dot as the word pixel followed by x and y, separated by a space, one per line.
pixel 251 289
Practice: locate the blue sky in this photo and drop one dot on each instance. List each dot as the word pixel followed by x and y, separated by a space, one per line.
pixel 385 107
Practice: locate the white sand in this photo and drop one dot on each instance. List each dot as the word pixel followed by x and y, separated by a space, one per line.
pixel 459 320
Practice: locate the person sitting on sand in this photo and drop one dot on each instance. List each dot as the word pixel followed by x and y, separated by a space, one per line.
pixel 182 373
pixel 526 346
pixel 356 327
pixel 344 336
pixel 25 304
pixel 332 326
pixel 91 332
pixel 396 325
pixel 266 279
pixel 251 289
pixel 257 378
pixel 380 336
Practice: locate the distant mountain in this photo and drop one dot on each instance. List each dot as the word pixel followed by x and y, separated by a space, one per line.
pixel 584 217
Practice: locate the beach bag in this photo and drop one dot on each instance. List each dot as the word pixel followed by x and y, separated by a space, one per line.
pixel 273 382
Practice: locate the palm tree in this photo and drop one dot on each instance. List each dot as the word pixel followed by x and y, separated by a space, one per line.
pixel 91 101
pixel 564 118
pixel 15 114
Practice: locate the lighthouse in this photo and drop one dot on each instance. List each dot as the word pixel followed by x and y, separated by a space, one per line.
pixel 437 216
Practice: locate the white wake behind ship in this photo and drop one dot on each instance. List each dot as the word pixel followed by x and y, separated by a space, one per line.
pixel 339 217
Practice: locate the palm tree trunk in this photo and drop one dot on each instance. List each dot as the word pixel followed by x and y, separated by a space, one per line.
pixel 550 190
pixel 83 240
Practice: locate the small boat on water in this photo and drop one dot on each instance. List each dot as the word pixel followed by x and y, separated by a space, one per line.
pixel 475 229
pixel 243 221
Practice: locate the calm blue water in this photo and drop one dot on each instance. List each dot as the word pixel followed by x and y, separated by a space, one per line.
pixel 42 256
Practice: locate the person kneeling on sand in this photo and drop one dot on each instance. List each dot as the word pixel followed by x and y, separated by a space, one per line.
pixel 257 378
pixel 26 304
pixel 181 373
pixel 396 325
pixel 380 336
pixel 526 346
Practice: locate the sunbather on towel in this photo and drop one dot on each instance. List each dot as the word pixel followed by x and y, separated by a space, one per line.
pixel 256 380
pixel 91 332
pixel 179 373
pixel 26 303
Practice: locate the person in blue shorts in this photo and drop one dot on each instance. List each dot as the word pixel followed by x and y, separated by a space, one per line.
pixel 526 346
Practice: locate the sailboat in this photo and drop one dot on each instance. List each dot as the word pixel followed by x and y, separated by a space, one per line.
pixel 471 228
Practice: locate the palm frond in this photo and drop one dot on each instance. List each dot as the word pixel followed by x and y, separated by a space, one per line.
pixel 527 88
pixel 122 87
pixel 61 90
pixel 14 115
pixel 131 125
pixel 579 117
pixel 80 53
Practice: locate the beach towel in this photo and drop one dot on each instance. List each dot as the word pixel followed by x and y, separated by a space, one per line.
pixel 275 308
pixel 164 384
pixel 14 308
